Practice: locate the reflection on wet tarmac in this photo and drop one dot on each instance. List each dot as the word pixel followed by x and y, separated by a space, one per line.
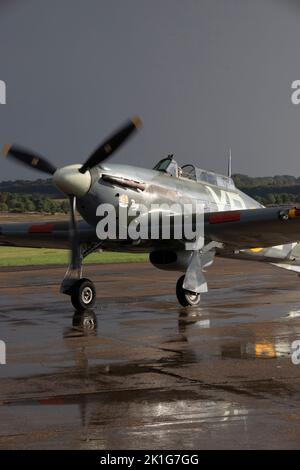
pixel 141 372
pixel 255 347
pixel 84 322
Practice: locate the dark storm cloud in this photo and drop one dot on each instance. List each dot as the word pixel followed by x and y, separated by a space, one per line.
pixel 204 75
pixel 290 3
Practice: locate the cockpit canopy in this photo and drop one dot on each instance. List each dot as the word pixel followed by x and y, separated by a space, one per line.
pixel 190 172
pixel 168 165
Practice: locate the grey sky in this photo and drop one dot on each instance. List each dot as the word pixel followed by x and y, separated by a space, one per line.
pixel 204 75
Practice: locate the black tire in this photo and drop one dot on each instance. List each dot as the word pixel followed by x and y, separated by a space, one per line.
pixel 186 298
pixel 83 294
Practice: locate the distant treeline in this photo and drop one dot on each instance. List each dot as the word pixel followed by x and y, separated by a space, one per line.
pixel 41 196
pixel 245 181
pixel 15 202
pixel 270 190
pixel 43 187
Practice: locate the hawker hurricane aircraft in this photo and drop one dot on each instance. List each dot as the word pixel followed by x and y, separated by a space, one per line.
pixel 235 225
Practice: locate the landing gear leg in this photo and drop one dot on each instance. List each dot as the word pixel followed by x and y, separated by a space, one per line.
pixel 81 290
pixel 190 286
pixel 186 297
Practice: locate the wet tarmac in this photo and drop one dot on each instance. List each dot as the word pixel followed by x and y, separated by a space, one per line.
pixel 140 372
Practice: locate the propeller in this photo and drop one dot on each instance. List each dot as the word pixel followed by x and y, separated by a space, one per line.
pixel 75 260
pixel 111 144
pixel 74 180
pixel 33 160
pixel 104 151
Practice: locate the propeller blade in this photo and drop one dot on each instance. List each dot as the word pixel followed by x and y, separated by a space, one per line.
pixel 29 159
pixel 74 237
pixel 111 144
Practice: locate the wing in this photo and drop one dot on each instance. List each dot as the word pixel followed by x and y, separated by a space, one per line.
pixel 248 228
pixel 253 228
pixel 54 234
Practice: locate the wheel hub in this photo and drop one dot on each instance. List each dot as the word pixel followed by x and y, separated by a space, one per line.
pixel 192 295
pixel 87 294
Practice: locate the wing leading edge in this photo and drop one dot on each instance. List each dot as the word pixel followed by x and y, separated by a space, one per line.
pixel 53 234
pixel 253 228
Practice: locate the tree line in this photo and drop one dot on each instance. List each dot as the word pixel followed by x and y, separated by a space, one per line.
pixel 16 202
pixel 245 181
pixel 270 190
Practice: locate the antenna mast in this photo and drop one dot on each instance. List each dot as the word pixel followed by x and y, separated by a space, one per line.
pixel 229 164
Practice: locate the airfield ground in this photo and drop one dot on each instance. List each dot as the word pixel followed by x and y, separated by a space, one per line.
pixel 152 374
pixel 16 256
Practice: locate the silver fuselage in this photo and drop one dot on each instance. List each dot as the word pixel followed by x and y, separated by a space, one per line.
pixel 164 188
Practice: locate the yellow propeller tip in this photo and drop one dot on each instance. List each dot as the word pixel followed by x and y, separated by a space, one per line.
pixel 5 150
pixel 137 122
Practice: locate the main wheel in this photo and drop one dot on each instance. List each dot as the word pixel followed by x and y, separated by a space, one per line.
pixel 83 294
pixel 186 297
